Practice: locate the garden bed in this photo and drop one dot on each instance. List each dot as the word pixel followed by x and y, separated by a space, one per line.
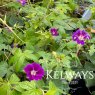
pixel 47 47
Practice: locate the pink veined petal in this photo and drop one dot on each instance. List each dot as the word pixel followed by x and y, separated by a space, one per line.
pixel 80 42
pixel 74 38
pixel 41 71
pixel 28 68
pixel 36 66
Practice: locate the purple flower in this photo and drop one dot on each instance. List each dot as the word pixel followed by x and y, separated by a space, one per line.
pixel 23 2
pixel 80 36
pixel 54 32
pixel 34 71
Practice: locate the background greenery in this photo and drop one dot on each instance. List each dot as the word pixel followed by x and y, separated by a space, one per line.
pixel 25 37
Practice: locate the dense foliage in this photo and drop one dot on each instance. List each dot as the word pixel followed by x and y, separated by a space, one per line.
pixel 42 31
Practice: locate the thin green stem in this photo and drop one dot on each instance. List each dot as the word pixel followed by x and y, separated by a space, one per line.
pixel 10 28
pixel 78 48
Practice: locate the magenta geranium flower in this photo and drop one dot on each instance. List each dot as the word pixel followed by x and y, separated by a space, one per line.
pixel 80 36
pixel 23 2
pixel 34 71
pixel 54 32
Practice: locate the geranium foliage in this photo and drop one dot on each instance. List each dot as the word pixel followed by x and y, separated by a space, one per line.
pixel 41 41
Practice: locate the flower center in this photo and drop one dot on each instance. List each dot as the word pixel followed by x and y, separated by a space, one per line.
pixel 22 1
pixel 53 33
pixel 81 37
pixel 33 72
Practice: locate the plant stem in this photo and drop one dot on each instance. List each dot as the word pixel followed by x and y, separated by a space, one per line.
pixel 78 49
pixel 11 29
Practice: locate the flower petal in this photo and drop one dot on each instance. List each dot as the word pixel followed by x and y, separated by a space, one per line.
pixel 28 68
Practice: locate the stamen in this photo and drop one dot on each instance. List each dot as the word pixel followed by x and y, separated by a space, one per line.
pixel 81 37
pixel 33 72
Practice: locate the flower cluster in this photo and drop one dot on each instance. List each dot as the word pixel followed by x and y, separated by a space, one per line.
pixel 23 2
pixel 34 71
pixel 80 36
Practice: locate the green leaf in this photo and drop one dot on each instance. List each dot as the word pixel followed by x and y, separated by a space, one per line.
pixel 33 92
pixel 1 80
pixel 90 82
pixel 28 54
pixel 91 58
pixel 89 66
pixel 17 60
pixel 13 92
pixel 92 50
pixel 26 85
pixel 66 61
pixel 19 63
pixel 3 68
pixel 15 5
pixel 53 90
pixel 40 84
pixel 14 78
pixel 3 46
pixel 71 44
pixel 3 89
pixel 47 3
